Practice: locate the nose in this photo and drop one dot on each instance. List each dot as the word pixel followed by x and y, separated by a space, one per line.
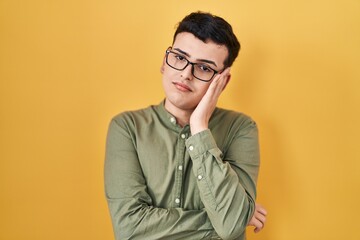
pixel 187 72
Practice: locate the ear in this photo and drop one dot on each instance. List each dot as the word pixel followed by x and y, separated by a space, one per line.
pixel 227 80
pixel 162 66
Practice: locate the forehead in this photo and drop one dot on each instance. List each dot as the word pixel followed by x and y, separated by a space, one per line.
pixel 198 49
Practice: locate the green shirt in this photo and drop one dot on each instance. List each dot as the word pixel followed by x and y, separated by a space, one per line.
pixel 163 183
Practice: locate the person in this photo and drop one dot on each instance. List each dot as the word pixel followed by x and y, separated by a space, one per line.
pixel 186 169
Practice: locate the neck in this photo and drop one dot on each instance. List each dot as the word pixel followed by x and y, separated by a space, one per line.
pixel 182 115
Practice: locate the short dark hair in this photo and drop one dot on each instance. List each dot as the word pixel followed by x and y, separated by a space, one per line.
pixel 206 26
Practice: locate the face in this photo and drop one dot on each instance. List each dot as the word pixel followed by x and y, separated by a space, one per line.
pixel 183 91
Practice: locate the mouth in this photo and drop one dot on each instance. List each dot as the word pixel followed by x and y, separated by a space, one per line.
pixel 182 87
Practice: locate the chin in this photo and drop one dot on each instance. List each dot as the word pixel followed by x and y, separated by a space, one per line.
pixel 181 103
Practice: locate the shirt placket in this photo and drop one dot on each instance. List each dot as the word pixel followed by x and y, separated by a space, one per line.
pixel 179 173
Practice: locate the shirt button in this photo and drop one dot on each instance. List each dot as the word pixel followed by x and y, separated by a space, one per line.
pixel 172 119
pixel 200 177
pixel 183 136
pixel 180 167
pixel 177 200
pixel 191 148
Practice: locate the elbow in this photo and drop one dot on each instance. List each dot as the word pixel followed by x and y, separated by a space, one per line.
pixel 232 230
pixel 235 228
pixel 230 235
pixel 122 230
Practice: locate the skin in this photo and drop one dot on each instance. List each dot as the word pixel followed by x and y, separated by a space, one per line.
pixel 259 218
pixel 192 101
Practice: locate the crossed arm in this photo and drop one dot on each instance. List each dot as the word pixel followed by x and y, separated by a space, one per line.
pixel 228 207
pixel 133 212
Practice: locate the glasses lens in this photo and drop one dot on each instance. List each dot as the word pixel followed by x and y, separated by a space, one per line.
pixel 203 72
pixel 176 61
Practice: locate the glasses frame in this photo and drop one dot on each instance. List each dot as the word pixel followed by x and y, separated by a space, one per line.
pixel 187 64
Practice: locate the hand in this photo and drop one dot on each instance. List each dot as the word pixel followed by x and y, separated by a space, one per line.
pixel 199 119
pixel 259 218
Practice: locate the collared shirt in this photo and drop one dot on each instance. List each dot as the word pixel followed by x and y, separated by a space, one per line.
pixel 163 183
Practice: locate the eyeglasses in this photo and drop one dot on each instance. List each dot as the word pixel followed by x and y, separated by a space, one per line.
pixel 200 71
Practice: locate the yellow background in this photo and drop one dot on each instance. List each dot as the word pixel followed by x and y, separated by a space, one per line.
pixel 68 66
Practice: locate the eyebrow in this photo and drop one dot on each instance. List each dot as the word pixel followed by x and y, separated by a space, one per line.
pixel 201 60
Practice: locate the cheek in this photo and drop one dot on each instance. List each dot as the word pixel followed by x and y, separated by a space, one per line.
pixel 202 88
pixel 169 75
pixel 199 92
pixel 166 72
pixel 167 78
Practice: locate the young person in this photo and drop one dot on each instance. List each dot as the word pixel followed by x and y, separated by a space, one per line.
pixel 185 169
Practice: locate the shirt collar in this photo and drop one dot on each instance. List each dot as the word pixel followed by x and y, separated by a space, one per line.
pixel 168 119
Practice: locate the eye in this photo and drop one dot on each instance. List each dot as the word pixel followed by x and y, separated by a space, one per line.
pixel 204 68
pixel 179 57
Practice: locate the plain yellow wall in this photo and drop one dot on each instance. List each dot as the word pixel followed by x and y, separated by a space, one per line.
pixel 68 66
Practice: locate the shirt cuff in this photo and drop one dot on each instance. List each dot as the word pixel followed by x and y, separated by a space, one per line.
pixel 200 143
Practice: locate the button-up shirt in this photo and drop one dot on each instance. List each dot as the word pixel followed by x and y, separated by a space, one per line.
pixel 161 182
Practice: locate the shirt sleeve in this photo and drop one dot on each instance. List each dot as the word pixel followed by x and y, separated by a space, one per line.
pixel 227 183
pixel 132 213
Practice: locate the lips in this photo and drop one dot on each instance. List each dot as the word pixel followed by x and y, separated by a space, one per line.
pixel 182 87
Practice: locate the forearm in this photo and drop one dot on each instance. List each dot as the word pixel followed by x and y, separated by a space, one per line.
pixel 134 216
pixel 133 213
pixel 138 221
pixel 225 195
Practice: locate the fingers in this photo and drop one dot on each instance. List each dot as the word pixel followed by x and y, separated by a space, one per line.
pixel 222 77
pixel 225 73
pixel 259 218
pixel 220 81
pixel 258 224
pixel 260 209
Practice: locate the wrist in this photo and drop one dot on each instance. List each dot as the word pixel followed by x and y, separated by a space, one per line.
pixel 198 128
